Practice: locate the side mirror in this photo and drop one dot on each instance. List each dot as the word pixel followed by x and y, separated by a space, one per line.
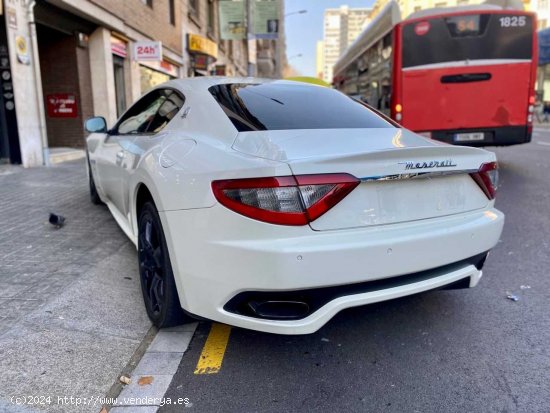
pixel 96 125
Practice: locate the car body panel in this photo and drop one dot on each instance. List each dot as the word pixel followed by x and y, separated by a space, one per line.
pixel 373 155
pixel 249 256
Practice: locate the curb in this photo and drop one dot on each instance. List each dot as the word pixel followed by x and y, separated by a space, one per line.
pixel 151 369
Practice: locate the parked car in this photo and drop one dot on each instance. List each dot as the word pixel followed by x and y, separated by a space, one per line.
pixel 273 205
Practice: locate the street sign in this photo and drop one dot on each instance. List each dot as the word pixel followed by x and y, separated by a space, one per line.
pixel 147 51
pixel 118 47
pixel 22 49
pixel 232 19
pixel 61 105
pixel 201 45
pixel 266 18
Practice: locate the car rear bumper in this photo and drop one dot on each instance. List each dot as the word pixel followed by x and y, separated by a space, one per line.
pixel 219 256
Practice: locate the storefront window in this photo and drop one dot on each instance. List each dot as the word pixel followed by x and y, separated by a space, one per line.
pixel 120 87
pixel 194 8
pixel 151 78
pixel 211 23
pixel 172 12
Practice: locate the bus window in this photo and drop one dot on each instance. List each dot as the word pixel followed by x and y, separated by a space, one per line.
pixel 467 37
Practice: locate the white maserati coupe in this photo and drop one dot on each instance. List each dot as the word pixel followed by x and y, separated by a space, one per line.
pixel 273 205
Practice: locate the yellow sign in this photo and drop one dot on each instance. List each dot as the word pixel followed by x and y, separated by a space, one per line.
pixel 199 44
pixel 22 50
pixel 21 44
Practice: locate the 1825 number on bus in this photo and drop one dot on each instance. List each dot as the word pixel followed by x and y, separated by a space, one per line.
pixel 513 21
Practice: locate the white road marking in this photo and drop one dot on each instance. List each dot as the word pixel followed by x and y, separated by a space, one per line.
pixel 543 143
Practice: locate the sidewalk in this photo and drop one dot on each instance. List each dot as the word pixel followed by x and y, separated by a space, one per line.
pixel 541 125
pixel 72 313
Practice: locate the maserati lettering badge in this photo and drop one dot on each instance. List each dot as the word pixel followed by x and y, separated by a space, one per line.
pixel 448 163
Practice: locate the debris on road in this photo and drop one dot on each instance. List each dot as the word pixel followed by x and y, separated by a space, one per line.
pixel 326 340
pixel 57 220
pixel 525 287
pixel 125 380
pixel 145 380
pixel 512 297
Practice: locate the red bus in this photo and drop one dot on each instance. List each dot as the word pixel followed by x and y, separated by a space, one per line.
pixel 462 75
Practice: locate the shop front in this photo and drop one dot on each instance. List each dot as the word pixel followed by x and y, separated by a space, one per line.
pixel 119 49
pixel 203 53
pixel 63 41
pixel 155 73
pixel 154 68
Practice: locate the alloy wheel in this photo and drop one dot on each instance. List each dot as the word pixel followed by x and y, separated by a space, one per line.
pixel 151 264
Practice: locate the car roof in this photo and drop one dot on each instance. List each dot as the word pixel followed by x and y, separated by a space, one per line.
pixel 202 83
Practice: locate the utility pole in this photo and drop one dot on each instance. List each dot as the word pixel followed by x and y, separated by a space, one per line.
pixel 250 39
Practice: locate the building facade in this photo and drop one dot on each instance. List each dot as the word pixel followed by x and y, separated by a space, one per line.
pixel 63 61
pixel 320 59
pixel 341 27
pixel 75 59
pixel 214 55
pixel 542 8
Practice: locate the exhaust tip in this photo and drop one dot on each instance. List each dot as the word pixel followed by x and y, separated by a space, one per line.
pixel 279 310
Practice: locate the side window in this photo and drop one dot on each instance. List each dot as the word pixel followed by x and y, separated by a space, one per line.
pixel 140 115
pixel 169 108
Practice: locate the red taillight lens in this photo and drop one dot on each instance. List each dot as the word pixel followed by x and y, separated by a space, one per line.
pixel 286 200
pixel 487 179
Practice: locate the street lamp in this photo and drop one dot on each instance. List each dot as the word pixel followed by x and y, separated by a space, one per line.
pixel 295 12
pixel 292 13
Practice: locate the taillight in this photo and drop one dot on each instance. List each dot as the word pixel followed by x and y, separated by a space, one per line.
pixel 487 179
pixel 398 112
pixel 285 200
pixel 530 109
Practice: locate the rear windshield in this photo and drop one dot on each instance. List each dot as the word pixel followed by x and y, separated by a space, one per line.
pixel 467 37
pixel 284 105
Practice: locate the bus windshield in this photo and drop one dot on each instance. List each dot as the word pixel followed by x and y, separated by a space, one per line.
pixel 453 38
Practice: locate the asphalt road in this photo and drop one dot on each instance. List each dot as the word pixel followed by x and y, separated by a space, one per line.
pixel 456 351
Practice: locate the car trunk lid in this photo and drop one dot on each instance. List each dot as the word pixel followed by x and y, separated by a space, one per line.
pixel 404 177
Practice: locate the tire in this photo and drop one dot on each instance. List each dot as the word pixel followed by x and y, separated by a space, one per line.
pixel 94 196
pixel 158 287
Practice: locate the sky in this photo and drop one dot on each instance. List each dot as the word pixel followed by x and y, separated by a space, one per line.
pixel 304 30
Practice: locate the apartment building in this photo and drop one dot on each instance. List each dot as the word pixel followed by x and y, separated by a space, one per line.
pixel 320 59
pixel 341 28
pixel 542 8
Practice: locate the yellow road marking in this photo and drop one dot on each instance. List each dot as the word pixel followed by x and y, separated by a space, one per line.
pixel 211 358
